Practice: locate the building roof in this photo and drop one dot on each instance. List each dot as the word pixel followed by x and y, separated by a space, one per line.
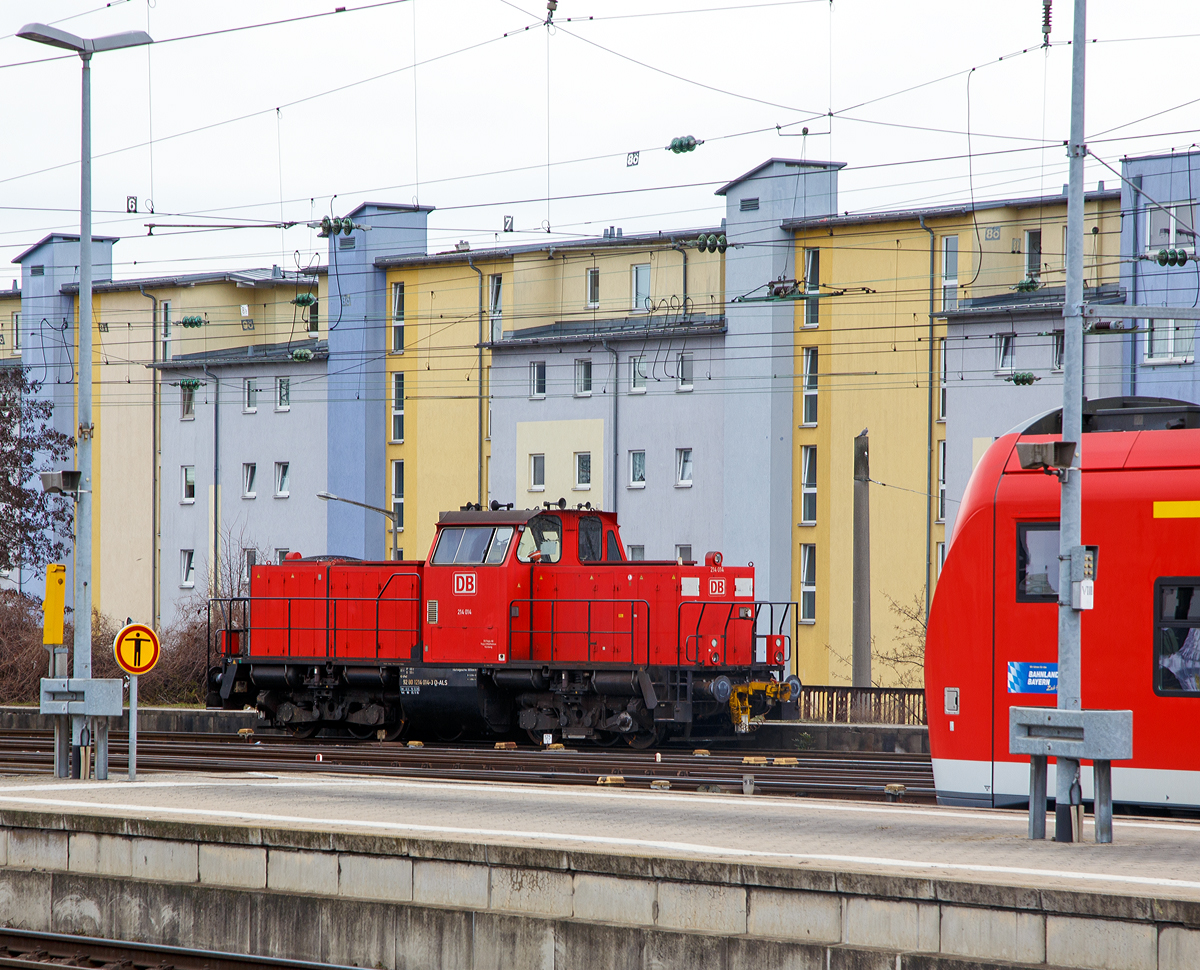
pixel 640 327
pixel 63 237
pixel 799 162
pixel 391 207
pixel 941 211
pixel 250 355
pixel 505 252
pixel 260 278
pixel 1047 300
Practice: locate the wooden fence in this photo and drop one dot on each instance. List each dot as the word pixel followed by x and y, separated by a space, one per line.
pixel 863 705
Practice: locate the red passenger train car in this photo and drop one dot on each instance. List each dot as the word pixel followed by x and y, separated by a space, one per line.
pixel 992 638
pixel 520 619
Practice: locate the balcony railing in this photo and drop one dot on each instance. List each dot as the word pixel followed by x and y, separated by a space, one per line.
pixel 863 705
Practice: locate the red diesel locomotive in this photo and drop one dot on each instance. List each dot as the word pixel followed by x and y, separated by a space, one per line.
pixel 992 640
pixel 520 619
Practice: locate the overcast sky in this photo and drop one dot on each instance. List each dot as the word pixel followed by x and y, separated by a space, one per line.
pixel 302 119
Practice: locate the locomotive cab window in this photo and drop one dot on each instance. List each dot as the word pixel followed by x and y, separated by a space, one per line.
pixel 591 532
pixel 472 545
pixel 614 547
pixel 1037 562
pixel 1177 637
pixel 542 539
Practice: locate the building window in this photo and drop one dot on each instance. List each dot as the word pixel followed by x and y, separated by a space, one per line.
pixel 314 318
pixel 537 473
pixel 1172 227
pixel 16 324
pixel 683 467
pixel 950 272
pixel 637 375
pixel 165 308
pixel 249 477
pixel 1057 349
pixel 942 378
pixel 537 379
pixel 641 287
pixel 398 494
pixel 812 284
pixel 684 375
pixel 495 304
pixel 249 560
pixel 397 318
pixel 282 479
pixel 1004 352
pixel 583 469
pixel 397 407
pixel 593 288
pixel 187 475
pixel 1033 254
pixel 941 496
pixel 1170 340
pixel 250 395
pixel 583 377
pixel 187 568
pixel 808 485
pixel 283 394
pixel 808 583
pixel 810 386
pixel 683 552
pixel 187 402
pixel 281 555
pixel 941 559
pixel 637 553
pixel 637 469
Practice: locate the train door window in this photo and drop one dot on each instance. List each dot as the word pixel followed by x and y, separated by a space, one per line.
pixel 1177 637
pixel 614 547
pixel 499 547
pixel 542 538
pixel 591 535
pixel 1037 562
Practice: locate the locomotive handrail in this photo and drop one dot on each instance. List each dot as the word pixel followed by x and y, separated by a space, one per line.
pixel 420 596
pixel 756 636
pixel 554 631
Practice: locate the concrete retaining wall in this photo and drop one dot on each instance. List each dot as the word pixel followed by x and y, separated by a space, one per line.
pixel 405 903
pixel 167 720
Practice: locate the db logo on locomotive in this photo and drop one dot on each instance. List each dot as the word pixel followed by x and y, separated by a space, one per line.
pixel 464 584
pixel 716 587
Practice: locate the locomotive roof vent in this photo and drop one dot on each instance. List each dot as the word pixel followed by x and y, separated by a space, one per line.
pixel 1121 414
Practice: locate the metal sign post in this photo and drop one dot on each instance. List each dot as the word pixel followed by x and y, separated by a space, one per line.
pixel 133 727
pixel 137 651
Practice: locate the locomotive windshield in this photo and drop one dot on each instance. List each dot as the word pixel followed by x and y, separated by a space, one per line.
pixel 542 538
pixel 472 545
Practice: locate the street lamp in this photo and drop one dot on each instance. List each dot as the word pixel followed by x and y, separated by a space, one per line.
pixel 330 497
pixel 85 48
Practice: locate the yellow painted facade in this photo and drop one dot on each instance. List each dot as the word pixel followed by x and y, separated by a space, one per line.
pixel 872 344
pixel 10 310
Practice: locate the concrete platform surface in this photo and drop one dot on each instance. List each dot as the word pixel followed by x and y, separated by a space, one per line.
pixel 1148 857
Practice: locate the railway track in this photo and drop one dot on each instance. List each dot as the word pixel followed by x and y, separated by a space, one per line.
pixel 813 774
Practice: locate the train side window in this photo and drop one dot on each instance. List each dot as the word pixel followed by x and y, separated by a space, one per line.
pixel 543 536
pixel 500 543
pixel 1177 636
pixel 614 547
pixel 1037 562
pixel 591 535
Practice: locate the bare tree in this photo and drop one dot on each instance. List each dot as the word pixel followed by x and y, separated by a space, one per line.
pixel 905 657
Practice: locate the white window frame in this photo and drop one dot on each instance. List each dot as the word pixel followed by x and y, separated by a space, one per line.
pixel 592 287
pixel 1033 271
pixel 949 273
pixel 397 321
pixel 942 384
pixel 940 561
pixel 249 561
pixel 636 553
pixel 577 464
pixel 249 479
pixel 1177 238
pixel 812 286
pixel 640 303
pixel 283 479
pixel 397 495
pixel 397 407
pixel 184 498
pixel 637 374
pixel 250 395
pixel 941 481
pixel 534 485
pixel 808 583
pixel 187 403
pixel 283 393
pixel 683 552
pixel 633 480
pixel 583 377
pixel 1006 352
pixel 1058 350
pixel 685 365
pixel 16 325
pixel 496 304
pixel 187 568
pixel 808 484
pixel 1179 346
pixel 281 554
pixel 534 393
pixel 684 465
pixel 164 309
pixel 811 364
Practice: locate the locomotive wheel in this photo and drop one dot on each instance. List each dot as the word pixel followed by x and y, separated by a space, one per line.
pixel 606 739
pixel 391 732
pixel 448 733
pixel 645 739
pixel 361 732
pixel 305 731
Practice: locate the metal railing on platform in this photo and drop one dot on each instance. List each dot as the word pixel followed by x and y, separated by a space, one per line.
pixel 863 705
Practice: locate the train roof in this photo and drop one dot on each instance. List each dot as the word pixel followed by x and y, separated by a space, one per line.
pixel 1119 414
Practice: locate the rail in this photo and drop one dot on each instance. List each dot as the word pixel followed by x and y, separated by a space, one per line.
pixel 639 623
pixel 863 705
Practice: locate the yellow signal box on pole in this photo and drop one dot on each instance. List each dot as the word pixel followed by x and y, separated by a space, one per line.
pixel 53 603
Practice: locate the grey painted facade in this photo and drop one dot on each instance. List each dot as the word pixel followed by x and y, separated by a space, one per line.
pixel 271 522
pixel 358 394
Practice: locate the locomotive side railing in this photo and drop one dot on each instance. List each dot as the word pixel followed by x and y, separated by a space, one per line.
pixel 863 705
pixel 638 632
pixel 726 615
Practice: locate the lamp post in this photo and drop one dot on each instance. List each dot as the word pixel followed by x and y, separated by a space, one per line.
pixel 85 48
pixel 330 497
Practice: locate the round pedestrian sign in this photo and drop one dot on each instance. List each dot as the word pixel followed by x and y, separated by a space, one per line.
pixel 136 648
